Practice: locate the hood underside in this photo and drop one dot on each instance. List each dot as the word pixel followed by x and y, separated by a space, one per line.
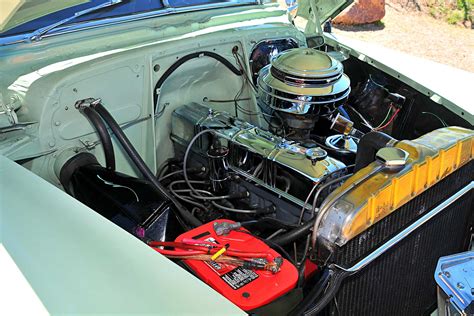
pixel 329 9
pixel 17 12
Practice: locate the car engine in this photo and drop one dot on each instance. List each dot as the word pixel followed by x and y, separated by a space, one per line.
pixel 277 216
pixel 271 171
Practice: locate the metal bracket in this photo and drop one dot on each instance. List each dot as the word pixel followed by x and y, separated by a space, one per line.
pixel 80 104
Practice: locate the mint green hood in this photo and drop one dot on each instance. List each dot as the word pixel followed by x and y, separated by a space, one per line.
pixel 17 12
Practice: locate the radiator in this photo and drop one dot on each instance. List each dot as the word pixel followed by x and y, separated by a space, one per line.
pixel 400 281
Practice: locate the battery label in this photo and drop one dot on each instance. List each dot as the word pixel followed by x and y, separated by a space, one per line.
pixel 239 277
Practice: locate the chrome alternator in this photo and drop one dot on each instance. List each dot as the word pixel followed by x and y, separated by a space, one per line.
pixel 300 86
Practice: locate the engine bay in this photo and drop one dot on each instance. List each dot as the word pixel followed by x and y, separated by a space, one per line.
pixel 269 171
pixel 256 194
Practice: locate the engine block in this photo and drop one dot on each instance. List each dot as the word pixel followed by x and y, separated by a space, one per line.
pixel 254 153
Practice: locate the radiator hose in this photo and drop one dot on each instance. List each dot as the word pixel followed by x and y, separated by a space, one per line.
pixel 294 234
pixel 141 165
pixel 104 136
pixel 328 285
pixel 368 146
pixel 312 295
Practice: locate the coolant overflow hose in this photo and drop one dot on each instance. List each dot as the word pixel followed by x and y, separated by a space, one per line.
pixel 141 165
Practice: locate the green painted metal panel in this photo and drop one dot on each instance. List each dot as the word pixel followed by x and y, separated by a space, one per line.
pixel 77 262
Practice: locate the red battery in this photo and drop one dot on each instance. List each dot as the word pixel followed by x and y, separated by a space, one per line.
pixel 248 289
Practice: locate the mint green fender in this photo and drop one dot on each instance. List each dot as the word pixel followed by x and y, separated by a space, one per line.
pixel 77 262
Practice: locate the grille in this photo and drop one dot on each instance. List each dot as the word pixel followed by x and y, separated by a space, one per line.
pixel 400 282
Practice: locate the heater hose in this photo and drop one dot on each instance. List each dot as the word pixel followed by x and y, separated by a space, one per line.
pixel 104 136
pixel 186 58
pixel 141 165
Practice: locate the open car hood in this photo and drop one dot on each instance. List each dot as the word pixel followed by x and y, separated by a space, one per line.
pixel 17 12
pixel 327 9
pixel 315 13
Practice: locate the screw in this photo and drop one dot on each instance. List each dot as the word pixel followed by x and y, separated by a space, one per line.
pixel 460 285
pixel 57 123
pixel 246 294
pixel 447 274
pixel 156 68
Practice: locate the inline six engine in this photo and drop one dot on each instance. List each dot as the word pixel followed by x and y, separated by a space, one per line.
pixel 278 217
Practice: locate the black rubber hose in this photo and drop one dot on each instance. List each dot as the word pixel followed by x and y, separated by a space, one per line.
pixel 186 58
pixel 294 234
pixel 142 167
pixel 104 136
pixel 368 146
pixel 313 295
pixel 269 220
pixel 334 284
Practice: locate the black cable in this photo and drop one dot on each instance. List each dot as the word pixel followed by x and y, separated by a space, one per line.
pixel 104 136
pixel 271 244
pixel 269 220
pixel 301 266
pixel 141 165
pixel 186 58
pixel 334 284
pixel 294 234
pixel 313 295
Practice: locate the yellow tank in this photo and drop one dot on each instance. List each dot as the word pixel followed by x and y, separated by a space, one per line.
pixel 354 206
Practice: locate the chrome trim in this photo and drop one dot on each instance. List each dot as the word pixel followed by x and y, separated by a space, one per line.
pixel 407 231
pixel 330 201
pixel 345 95
pixel 87 25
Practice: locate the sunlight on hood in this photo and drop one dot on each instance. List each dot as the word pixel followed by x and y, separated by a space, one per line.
pixel 17 12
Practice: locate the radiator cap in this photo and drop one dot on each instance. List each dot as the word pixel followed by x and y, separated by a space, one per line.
pixel 392 157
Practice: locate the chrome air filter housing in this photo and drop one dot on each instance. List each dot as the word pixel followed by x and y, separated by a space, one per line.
pixel 302 84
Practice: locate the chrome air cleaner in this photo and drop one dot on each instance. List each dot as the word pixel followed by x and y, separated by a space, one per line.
pixel 301 85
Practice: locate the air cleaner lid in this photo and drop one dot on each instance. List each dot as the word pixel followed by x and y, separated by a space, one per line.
pixel 308 63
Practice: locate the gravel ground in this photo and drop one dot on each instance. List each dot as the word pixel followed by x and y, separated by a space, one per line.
pixel 418 34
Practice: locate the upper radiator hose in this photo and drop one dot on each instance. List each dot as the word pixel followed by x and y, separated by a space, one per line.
pixel 368 146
